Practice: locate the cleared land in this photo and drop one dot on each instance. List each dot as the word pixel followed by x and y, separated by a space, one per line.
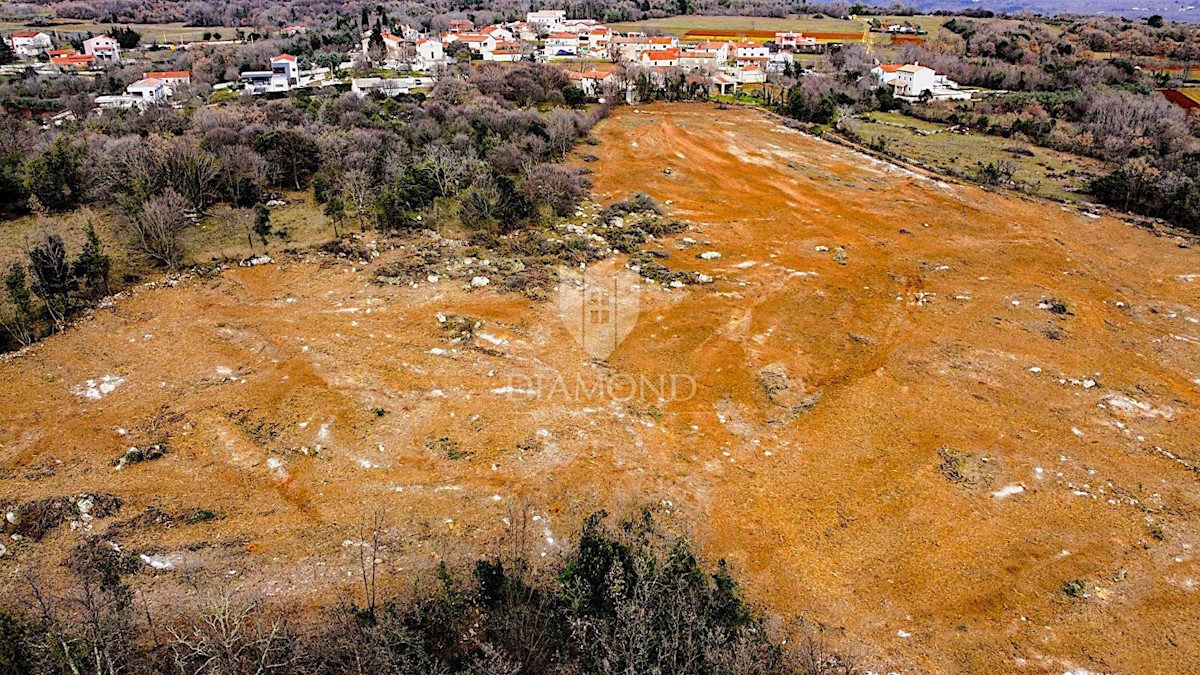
pixel 678 25
pixel 151 32
pixel 1045 172
pixel 921 410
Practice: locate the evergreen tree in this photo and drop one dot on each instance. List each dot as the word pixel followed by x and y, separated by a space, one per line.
pixel 262 222
pixel 21 324
pixel 92 266
pixel 54 176
pixel 52 280
pixel 335 210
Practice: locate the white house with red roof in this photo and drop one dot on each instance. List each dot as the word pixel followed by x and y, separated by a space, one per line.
pixel 751 73
pixel 477 42
pixel 718 48
pixel 885 73
pixel 73 61
pixel 594 41
pixel 285 72
pixel 294 29
pixel 562 44
pixel 660 58
pixel 524 32
pixel 912 82
pixel 173 79
pixel 592 82
pixel 148 91
pixel 501 33
pixel 505 51
pixel 29 42
pixel 792 40
pixel 657 42
pixel 105 49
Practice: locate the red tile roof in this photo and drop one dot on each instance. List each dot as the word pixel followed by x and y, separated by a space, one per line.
pixel 73 60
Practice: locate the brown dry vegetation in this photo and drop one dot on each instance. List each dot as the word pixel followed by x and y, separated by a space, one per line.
pixel 863 418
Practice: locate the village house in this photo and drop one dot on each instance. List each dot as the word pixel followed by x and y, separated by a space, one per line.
pixel 148 91
pixel 73 61
pixel 661 42
pixel 718 49
pixel 545 20
pixel 103 48
pixel 501 33
pixel 285 74
pixel 524 31
pixel 750 53
pixel 913 82
pixel 141 94
pixel 393 45
pixel 297 29
pixel 660 58
pixel 697 60
pixel 29 42
pixel 592 82
pixel 430 54
pixel 476 42
pixel 790 40
pixel 504 51
pixel 780 61
pixel 173 79
pixel 562 44
pixel 390 87
pixel 723 84
pixel 751 73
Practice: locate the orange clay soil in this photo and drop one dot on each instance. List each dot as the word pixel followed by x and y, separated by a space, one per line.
pixel 920 410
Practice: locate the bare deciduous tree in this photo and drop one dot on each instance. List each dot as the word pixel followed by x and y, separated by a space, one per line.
pixel 157 227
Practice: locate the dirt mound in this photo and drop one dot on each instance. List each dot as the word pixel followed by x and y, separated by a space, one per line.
pixel 822 409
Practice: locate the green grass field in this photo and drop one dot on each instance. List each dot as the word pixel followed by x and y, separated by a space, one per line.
pixel 678 25
pixel 1047 173
pixel 221 236
pixel 162 33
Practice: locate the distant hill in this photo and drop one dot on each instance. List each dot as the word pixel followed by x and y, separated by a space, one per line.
pixel 1172 10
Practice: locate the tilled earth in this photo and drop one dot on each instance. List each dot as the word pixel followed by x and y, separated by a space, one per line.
pixel 953 428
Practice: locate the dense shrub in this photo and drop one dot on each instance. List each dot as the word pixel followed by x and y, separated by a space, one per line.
pixel 624 599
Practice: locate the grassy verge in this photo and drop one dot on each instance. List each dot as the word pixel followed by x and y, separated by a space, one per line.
pixel 1039 171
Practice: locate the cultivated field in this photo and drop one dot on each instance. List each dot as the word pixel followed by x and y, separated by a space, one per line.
pixel 953 427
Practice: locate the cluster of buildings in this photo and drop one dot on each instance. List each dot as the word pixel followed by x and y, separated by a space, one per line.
pixel 544 35
pixel 97 51
pixel 548 35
